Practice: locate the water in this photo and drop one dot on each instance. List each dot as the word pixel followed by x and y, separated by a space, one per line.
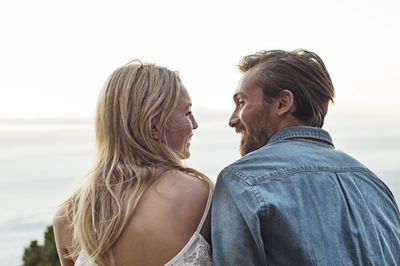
pixel 41 163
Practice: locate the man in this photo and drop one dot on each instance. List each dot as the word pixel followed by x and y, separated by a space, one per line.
pixel 292 199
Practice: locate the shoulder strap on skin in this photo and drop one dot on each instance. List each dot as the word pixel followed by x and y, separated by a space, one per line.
pixel 205 211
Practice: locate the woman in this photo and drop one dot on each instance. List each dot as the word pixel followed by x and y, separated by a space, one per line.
pixel 139 205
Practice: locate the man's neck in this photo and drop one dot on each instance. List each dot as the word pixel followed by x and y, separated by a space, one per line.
pixel 290 121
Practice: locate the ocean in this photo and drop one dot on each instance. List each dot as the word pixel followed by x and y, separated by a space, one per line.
pixel 42 161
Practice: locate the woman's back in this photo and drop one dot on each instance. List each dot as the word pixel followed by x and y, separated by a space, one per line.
pixel 167 216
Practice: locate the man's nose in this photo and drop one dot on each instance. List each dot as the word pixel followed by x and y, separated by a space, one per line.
pixel 234 120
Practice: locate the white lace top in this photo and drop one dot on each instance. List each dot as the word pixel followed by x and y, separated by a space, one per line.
pixel 195 253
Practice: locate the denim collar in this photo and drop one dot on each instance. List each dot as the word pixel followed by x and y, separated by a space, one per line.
pixel 302 132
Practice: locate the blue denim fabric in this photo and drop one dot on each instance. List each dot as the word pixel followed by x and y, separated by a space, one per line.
pixel 299 201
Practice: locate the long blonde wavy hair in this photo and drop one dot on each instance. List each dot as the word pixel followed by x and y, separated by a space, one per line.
pixel 128 160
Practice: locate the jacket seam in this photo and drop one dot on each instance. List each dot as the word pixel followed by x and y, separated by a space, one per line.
pixel 252 180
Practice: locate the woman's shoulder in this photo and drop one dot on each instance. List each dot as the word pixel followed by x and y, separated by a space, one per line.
pixel 63 234
pixel 175 200
pixel 179 193
pixel 60 220
pixel 166 217
pixel 180 184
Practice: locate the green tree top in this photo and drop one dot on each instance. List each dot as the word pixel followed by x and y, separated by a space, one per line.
pixel 46 255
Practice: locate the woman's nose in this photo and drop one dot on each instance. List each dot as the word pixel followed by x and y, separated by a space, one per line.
pixel 194 123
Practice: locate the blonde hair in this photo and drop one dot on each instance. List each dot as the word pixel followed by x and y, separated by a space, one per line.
pixel 128 159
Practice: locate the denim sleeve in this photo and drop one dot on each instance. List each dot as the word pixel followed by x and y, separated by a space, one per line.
pixel 236 236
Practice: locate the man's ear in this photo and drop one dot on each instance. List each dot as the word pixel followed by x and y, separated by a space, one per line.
pixel 286 103
pixel 155 128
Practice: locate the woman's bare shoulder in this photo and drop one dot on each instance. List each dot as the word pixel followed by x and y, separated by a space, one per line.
pixel 63 235
pixel 166 217
pixel 60 220
pixel 176 198
pixel 183 188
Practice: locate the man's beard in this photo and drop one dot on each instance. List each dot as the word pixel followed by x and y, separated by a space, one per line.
pixel 253 141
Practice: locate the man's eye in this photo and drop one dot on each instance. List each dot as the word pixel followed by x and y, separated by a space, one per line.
pixel 240 103
pixel 189 113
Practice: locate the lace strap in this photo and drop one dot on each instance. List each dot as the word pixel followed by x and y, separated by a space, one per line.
pixel 205 211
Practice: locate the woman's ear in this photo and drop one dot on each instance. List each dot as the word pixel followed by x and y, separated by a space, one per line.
pixel 155 128
pixel 286 103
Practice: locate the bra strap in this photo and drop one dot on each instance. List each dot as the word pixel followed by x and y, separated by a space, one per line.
pixel 205 211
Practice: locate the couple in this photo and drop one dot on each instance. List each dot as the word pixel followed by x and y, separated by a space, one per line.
pixel 292 199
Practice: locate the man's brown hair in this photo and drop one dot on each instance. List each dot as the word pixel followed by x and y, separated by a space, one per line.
pixel 302 72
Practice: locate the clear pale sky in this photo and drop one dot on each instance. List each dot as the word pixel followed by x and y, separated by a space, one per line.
pixel 56 55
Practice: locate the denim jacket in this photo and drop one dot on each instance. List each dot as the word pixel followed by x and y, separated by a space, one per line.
pixel 299 201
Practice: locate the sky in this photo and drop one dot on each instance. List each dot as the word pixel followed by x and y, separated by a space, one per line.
pixel 56 55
